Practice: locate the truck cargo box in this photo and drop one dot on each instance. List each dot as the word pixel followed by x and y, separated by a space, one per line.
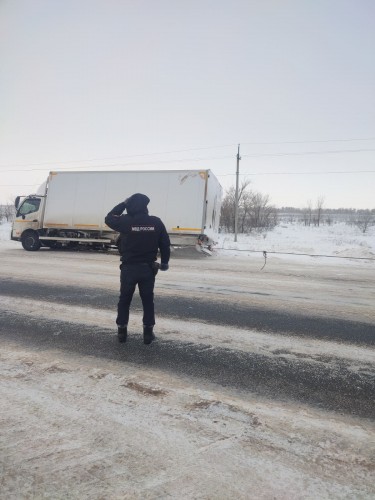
pixel 71 206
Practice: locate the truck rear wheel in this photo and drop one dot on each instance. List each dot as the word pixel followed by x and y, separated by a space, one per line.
pixel 30 241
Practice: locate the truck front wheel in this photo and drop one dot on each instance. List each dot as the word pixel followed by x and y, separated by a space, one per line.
pixel 30 241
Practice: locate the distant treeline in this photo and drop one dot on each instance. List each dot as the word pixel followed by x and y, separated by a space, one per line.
pixel 256 213
pixel 361 218
pixel 343 211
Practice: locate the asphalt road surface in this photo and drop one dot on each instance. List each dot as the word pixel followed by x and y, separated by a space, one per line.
pixel 231 313
pixel 328 383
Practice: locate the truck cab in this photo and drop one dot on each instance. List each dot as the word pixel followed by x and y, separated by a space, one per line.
pixel 28 221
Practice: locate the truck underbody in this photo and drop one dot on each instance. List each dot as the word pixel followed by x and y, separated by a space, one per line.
pixel 33 240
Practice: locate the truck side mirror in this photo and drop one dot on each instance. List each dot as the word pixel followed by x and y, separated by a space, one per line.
pixel 17 202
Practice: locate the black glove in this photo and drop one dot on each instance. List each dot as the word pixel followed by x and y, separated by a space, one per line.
pixel 164 267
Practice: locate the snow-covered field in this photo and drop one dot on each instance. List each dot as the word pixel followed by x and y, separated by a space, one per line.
pixel 338 240
pixel 75 426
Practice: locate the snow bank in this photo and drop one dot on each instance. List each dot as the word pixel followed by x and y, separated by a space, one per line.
pixel 5 229
pixel 338 240
pixel 5 233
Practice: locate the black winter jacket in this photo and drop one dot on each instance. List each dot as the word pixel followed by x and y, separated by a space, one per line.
pixel 141 235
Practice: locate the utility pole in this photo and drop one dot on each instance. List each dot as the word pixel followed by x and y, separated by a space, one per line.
pixel 236 200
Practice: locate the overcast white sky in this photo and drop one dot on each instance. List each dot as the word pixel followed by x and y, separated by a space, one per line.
pixel 166 84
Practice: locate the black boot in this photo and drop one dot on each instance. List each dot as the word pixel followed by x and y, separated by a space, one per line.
pixel 148 334
pixel 122 334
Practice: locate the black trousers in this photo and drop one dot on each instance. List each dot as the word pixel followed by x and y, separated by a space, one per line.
pixel 131 276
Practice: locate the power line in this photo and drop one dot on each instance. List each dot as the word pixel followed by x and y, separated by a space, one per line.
pixel 249 174
pixel 294 253
pixel 123 156
pixel 303 173
pixel 191 149
pixel 159 162
pixel 306 153
pixel 123 164
pixel 310 142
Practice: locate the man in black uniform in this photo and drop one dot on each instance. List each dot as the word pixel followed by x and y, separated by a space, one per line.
pixel 141 235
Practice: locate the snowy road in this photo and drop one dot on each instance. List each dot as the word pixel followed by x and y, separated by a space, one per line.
pixel 320 379
pixel 254 375
pixel 219 312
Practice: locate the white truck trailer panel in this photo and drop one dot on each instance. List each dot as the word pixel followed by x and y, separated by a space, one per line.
pixel 81 200
pixel 213 209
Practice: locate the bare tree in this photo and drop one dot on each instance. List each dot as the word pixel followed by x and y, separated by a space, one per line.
pixel 319 210
pixel 307 213
pixel 254 210
pixel 262 214
pixel 227 210
pixel 245 209
pixel 8 212
pixel 364 221
pixel 228 205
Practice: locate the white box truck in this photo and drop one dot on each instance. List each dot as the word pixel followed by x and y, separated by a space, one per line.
pixel 70 207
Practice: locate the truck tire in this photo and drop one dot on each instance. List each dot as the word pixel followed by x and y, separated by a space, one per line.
pixel 30 241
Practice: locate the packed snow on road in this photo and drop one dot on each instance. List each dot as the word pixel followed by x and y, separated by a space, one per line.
pixel 85 417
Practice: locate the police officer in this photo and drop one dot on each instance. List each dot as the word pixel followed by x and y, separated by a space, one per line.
pixel 141 235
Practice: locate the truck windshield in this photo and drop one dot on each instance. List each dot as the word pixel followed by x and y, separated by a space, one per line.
pixel 29 206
